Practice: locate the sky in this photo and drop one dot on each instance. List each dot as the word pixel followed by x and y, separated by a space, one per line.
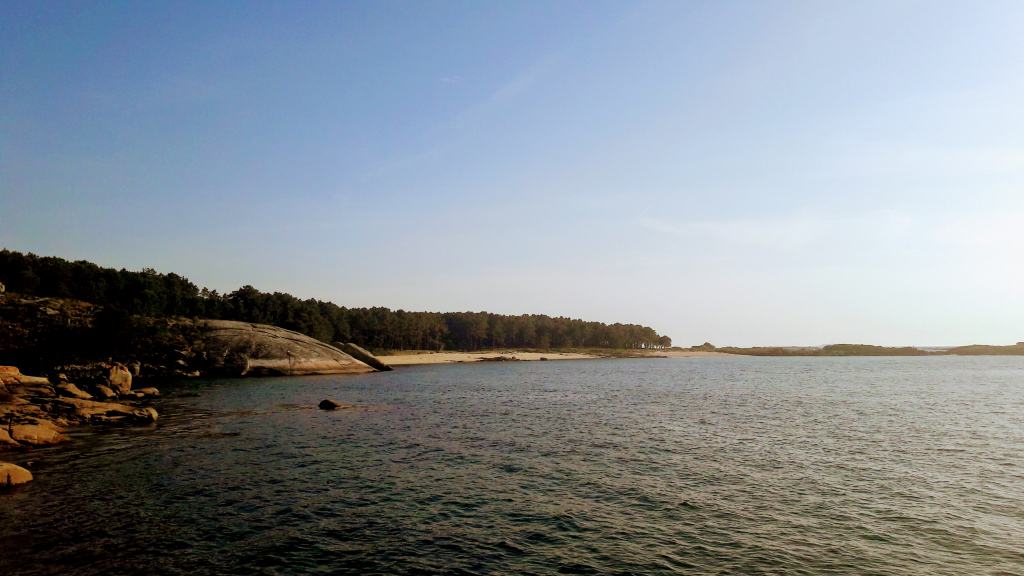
pixel 740 172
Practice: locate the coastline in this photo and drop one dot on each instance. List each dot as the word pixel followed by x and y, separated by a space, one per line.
pixel 420 358
pixel 36 412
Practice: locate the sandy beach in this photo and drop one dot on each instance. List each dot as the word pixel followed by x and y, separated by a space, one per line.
pixel 416 358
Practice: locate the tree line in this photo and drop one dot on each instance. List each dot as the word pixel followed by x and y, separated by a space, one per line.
pixel 149 293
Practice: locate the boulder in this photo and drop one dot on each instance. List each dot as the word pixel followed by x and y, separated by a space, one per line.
pixel 13 475
pixel 104 392
pixel 240 348
pixel 36 435
pixel 9 374
pixel 72 391
pixel 328 404
pixel 147 392
pixel 149 414
pixel 119 379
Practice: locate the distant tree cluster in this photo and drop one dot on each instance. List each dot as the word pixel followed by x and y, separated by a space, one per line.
pixel 830 350
pixel 149 293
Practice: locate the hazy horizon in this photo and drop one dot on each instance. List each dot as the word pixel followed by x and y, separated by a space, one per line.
pixel 745 173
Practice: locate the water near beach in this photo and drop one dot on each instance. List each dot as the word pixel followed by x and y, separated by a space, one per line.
pixel 703 465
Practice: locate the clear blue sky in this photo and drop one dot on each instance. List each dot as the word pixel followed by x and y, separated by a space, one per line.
pixel 739 172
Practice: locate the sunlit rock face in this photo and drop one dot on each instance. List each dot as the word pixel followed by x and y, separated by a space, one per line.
pixel 241 348
pixel 13 475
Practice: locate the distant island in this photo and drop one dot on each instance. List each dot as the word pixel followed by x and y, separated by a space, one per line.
pixel 867 350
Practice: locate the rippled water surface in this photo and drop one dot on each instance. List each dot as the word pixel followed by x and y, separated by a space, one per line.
pixel 704 465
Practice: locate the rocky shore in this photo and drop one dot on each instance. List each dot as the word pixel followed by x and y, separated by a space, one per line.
pixel 54 336
pixel 36 411
pixel 81 340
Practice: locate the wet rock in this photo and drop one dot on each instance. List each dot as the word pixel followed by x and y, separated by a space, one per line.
pixel 13 475
pixel 147 415
pixel 329 404
pixel 72 391
pixel 106 412
pixel 36 435
pixel 147 392
pixel 120 379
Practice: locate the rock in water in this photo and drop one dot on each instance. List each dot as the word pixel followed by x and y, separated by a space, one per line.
pixel 36 435
pixel 147 415
pixel 148 392
pixel 120 379
pixel 106 412
pixel 13 475
pixel 329 404
pixel 240 348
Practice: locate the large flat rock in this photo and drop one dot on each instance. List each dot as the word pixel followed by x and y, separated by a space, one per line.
pixel 241 348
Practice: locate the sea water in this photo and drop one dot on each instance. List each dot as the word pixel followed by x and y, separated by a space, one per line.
pixel 720 465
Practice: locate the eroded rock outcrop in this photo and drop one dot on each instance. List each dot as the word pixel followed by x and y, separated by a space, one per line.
pixel 240 348
pixel 363 355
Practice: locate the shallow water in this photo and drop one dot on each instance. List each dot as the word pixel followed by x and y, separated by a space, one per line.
pixel 694 465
